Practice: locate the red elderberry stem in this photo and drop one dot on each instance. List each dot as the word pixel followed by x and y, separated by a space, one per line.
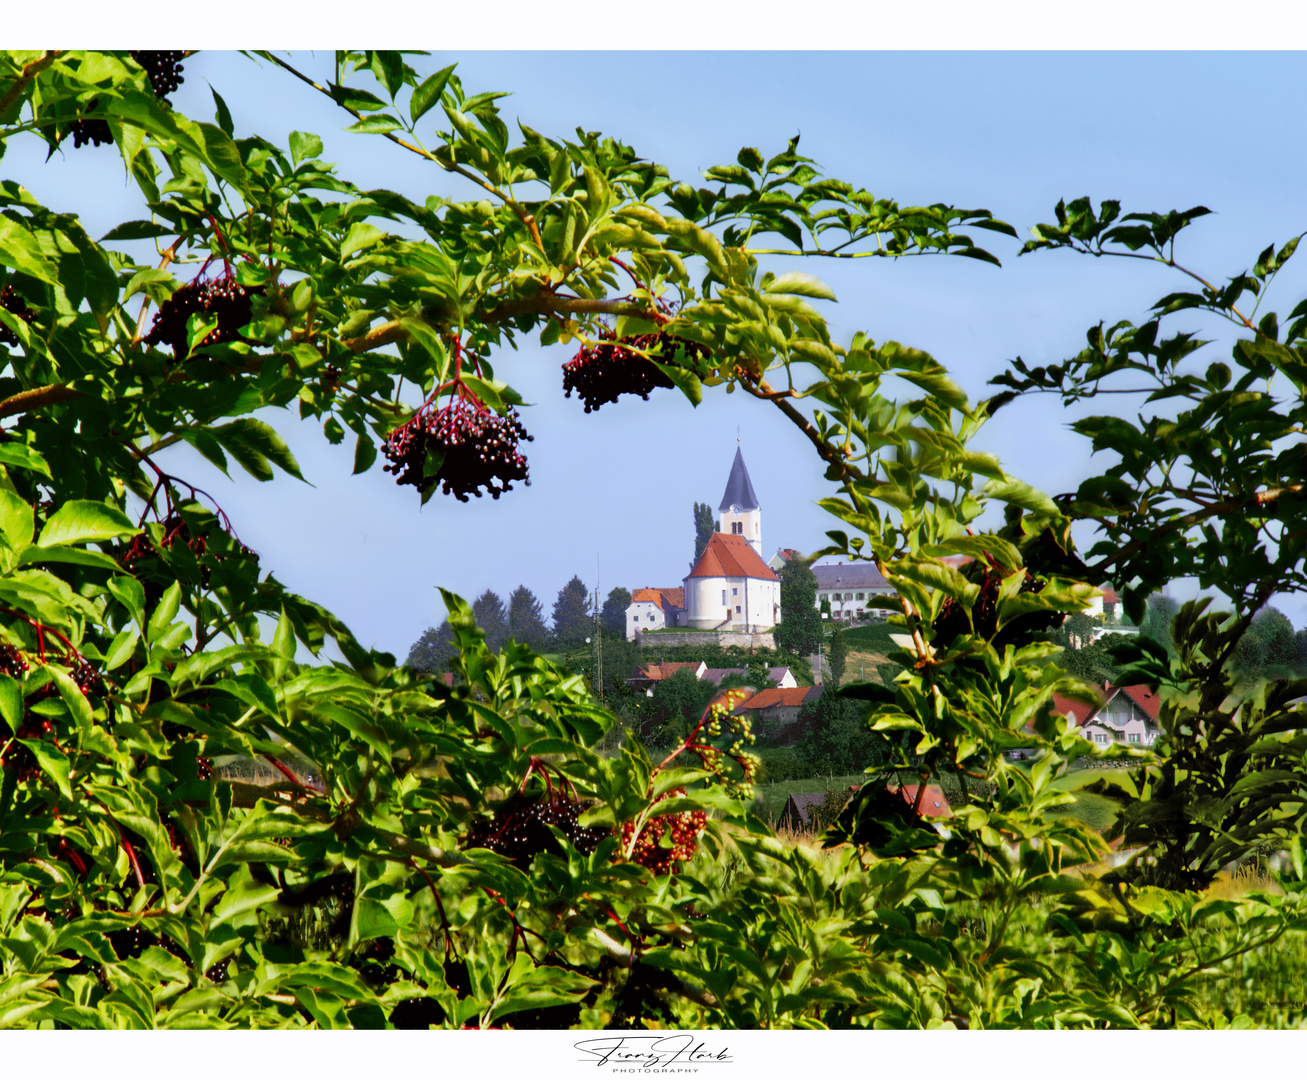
pixel 440 907
pixel 131 854
pixel 287 773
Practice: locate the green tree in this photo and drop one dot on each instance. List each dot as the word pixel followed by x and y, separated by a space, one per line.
pixel 838 655
pixel 1159 613
pixel 526 620
pixel 573 621
pixel 835 741
pixel 613 616
pixel 800 628
pixel 675 706
pixel 433 650
pixel 491 615
pixel 705 524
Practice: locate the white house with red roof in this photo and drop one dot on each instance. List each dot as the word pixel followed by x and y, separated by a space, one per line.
pixel 1126 714
pixel 654 609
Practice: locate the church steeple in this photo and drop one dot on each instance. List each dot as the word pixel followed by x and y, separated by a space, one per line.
pixel 739 512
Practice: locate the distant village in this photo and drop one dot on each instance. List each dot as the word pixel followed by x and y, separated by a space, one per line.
pixel 731 590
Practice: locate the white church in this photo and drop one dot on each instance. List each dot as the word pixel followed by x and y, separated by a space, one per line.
pixel 730 587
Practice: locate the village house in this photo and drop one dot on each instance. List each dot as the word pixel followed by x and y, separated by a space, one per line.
pixel 1125 714
pixel 778 708
pixel 846 587
pixel 654 609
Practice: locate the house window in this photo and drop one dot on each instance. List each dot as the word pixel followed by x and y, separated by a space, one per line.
pixel 1134 737
pixel 861 596
pixel 737 528
pixel 1100 738
pixel 737 610
pixel 735 592
pixel 723 598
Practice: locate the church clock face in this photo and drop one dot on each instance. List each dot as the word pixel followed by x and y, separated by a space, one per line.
pixel 735 509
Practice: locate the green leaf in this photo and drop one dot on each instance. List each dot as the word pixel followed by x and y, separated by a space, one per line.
pixel 223 157
pixel 20 250
pixel 427 95
pixel 131 594
pixel 381 918
pixel 1019 493
pixel 11 702
pixel 304 146
pixel 252 690
pixel 17 455
pixel 797 284
pixel 253 444
pixel 164 612
pixel 17 520
pixel 223 113
pixel 375 125
pixel 82 521
pixel 365 453
pixel 78 706
pixel 361 235
pixel 137 230
pixel 52 762
pixel 241 896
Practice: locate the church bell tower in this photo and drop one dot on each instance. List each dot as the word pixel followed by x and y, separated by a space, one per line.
pixel 739 513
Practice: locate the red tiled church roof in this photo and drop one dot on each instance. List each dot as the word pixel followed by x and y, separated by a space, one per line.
pixel 729 555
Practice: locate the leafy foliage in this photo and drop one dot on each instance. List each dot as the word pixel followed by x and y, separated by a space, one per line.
pixel 458 852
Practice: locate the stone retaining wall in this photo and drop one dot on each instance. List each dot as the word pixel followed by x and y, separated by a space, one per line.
pixel 724 638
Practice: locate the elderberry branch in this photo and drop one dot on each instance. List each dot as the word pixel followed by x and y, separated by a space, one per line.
pixel 29 72
pixel 518 209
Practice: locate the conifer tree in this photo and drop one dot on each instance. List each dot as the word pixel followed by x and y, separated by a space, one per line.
pixel 526 619
pixel 572 620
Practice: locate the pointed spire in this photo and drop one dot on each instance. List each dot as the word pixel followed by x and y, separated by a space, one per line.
pixel 739 488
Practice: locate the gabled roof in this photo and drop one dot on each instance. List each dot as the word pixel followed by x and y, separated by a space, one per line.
pixel 739 488
pixel 1148 702
pixel 657 672
pixel 801 806
pixel 661 598
pixel 933 803
pixel 787 697
pixel 786 554
pixel 1109 595
pixel 859 575
pixel 729 555
pixel 717 674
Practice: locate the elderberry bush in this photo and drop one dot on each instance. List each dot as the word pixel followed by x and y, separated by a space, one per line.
pixel 230 302
pixel 602 373
pixel 478 449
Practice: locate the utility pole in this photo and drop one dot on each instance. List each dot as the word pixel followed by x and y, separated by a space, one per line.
pixel 598 652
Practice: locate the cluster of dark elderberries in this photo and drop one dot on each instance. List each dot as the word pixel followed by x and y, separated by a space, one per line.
pixel 602 373
pixel 519 829
pixel 165 74
pixel 140 551
pixel 682 838
pixel 478 449
pixel 19 759
pixel 15 305
pixel 230 302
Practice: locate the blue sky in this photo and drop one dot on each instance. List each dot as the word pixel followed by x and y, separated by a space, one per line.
pixel 1012 132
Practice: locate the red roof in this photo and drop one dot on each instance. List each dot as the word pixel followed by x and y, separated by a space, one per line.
pixel 933 803
pixel 788 553
pixel 661 598
pixel 1109 594
pixel 729 555
pixel 789 697
pixel 1149 702
pixel 663 671
pixel 1080 712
